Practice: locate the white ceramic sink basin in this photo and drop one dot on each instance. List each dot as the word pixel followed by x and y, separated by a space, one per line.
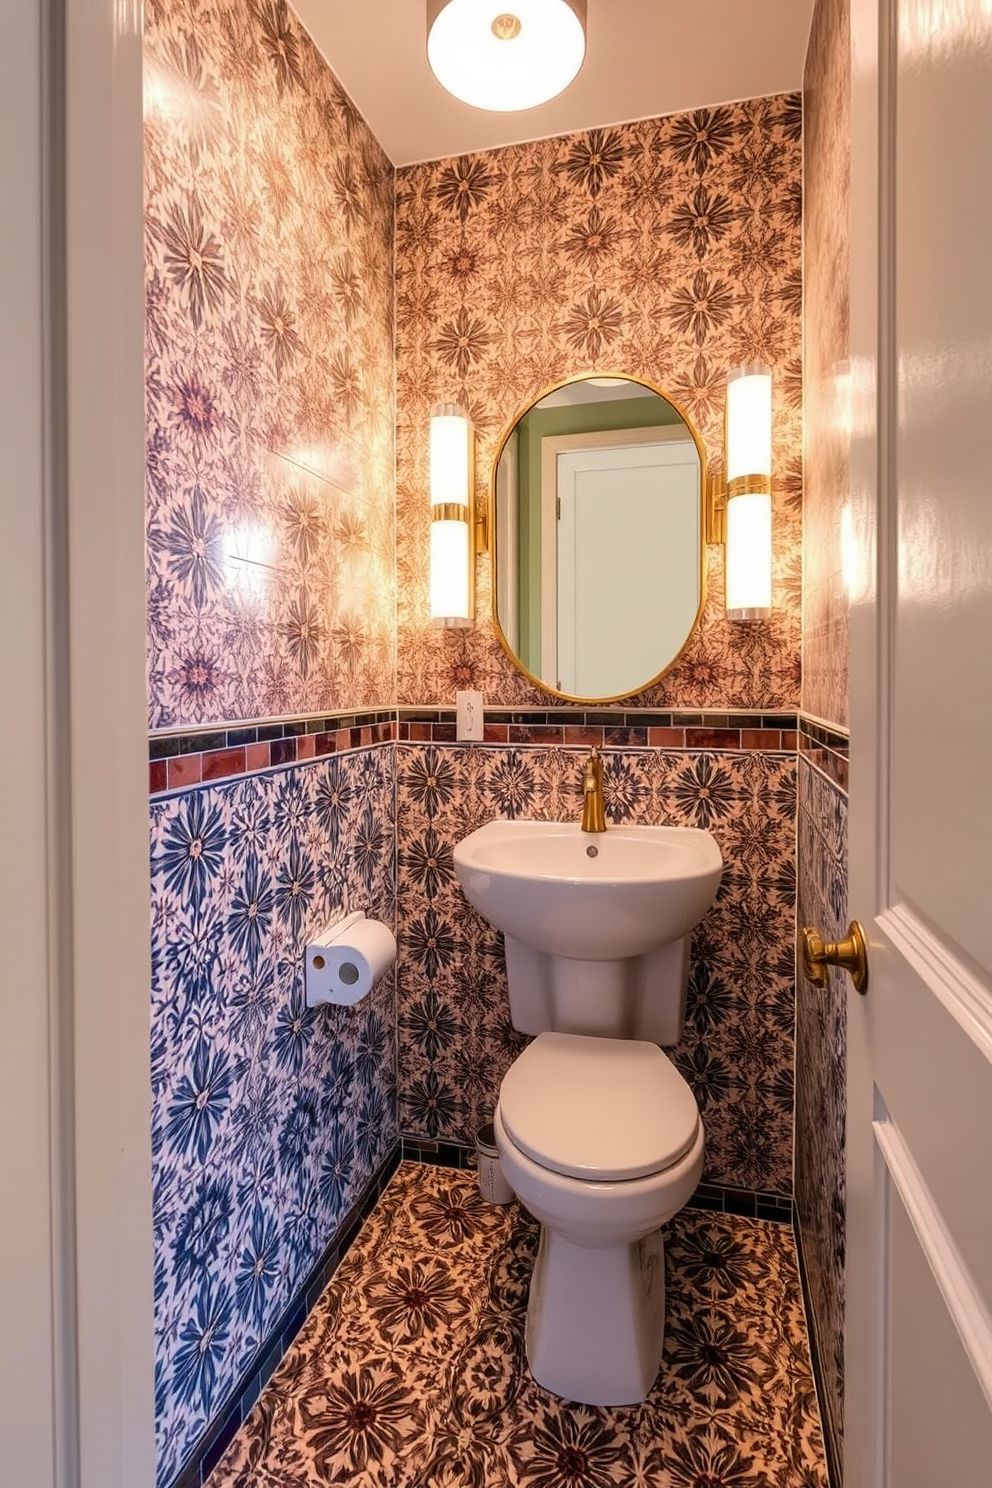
pixel 589 896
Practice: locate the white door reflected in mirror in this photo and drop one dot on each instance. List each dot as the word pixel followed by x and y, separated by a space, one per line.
pixel 602 495
pixel 598 522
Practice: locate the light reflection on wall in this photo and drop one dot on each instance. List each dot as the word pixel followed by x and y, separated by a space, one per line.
pixel 170 96
pixel 850 566
pixel 250 552
pixel 944 28
pixel 328 462
pixel 843 394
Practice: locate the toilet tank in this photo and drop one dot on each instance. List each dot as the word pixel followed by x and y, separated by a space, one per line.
pixel 642 997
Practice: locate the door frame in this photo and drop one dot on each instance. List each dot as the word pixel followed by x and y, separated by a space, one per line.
pixel 567 444
pixel 76 1099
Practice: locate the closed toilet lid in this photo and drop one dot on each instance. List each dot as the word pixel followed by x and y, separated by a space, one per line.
pixel 598 1108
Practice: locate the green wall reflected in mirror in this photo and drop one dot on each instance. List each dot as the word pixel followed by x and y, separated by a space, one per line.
pixel 598 541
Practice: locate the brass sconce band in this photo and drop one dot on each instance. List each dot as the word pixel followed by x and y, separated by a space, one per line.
pixel 749 485
pixel 450 511
pixel 719 493
pixel 716 510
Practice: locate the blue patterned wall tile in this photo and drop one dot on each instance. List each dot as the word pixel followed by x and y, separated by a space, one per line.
pixel 821 1073
pixel 456 1041
pixel 268 1117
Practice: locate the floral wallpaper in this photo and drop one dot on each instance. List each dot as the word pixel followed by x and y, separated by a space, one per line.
pixel 827 145
pixel 455 1038
pixel 268 1117
pixel 668 249
pixel 269 373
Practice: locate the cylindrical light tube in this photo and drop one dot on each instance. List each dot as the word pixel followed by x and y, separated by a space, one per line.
pixel 749 423
pixel 451 556
pixel 749 501
pixel 749 556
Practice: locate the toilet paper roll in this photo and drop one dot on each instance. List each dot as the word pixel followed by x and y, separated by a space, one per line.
pixel 344 964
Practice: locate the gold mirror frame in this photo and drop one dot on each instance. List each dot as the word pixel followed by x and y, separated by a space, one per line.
pixel 568 697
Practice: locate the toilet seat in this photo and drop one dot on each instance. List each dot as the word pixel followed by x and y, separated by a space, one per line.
pixel 600 1109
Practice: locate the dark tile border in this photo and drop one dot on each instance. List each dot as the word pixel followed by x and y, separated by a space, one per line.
pixel 610 728
pixel 187 758
pixel 180 760
pixel 219 1435
pixel 827 749
pixel 835 1474
pixel 748 1203
pixel 437 1154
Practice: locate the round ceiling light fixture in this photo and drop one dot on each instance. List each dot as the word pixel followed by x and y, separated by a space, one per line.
pixel 505 56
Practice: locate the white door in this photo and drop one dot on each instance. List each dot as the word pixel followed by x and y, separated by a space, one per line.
pixel 919 1322
pixel 622 512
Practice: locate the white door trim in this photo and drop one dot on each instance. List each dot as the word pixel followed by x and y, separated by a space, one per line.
pixel 108 739
pixel 962 1298
pixel 36 1266
pixel 76 1252
pixel 565 444
pixel 946 977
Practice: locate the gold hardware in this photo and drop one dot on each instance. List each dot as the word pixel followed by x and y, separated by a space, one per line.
pixel 749 485
pixel 318 963
pixel 481 524
pixel 719 493
pixel 506 27
pixel 593 814
pixel 850 953
pixel 449 511
pixel 716 510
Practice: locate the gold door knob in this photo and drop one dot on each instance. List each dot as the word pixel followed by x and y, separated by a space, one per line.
pixel 851 953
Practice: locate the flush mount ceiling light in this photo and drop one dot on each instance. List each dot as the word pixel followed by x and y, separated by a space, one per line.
pixel 505 56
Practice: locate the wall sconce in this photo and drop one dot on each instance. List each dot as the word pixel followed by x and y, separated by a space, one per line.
pixel 741 504
pixel 452 483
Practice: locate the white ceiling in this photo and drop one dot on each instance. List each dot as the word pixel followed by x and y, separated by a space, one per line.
pixel 643 58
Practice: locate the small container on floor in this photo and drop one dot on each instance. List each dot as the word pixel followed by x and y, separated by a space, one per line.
pixel 492 1184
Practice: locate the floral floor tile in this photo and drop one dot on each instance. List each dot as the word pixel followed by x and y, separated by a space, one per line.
pixel 411 1370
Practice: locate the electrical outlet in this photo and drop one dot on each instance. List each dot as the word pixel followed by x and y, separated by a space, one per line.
pixel 470 716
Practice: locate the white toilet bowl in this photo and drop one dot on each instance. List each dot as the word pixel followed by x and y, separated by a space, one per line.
pixel 601 1141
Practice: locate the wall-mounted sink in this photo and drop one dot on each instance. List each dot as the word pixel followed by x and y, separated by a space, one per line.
pixel 589 896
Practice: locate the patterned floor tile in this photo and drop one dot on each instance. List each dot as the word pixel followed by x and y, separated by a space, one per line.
pixel 411 1370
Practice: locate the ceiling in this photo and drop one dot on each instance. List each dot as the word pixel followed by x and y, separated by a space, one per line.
pixel 643 58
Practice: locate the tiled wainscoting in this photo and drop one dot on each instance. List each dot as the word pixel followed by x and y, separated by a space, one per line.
pixel 821 1074
pixel 218 1436
pixel 274 1125
pixel 455 1038
pixel 269 1119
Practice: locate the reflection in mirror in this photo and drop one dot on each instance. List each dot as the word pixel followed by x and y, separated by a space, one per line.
pixel 598 528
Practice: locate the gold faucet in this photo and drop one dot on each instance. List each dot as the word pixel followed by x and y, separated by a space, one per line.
pixel 593 815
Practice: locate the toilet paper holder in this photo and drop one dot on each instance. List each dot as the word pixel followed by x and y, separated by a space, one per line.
pixel 345 961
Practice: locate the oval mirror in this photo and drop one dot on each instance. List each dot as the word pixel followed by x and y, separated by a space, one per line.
pixel 597 523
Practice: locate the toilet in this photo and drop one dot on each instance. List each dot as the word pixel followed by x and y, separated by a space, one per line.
pixel 600 1139
pixel 598 1134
